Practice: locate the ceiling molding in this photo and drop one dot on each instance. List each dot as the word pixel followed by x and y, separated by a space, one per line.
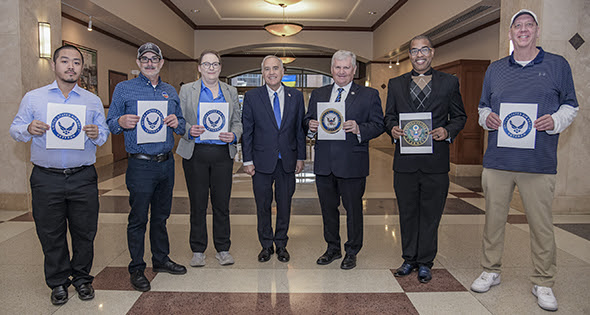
pixel 180 14
pixel 388 14
pixel 98 30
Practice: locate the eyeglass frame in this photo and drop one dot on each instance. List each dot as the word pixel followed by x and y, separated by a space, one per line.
pixel 424 50
pixel 208 65
pixel 527 25
pixel 144 59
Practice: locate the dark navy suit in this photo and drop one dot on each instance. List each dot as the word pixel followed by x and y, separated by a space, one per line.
pixel 262 141
pixel 341 167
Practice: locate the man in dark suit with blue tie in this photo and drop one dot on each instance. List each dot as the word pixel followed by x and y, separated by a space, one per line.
pixel 421 181
pixel 273 144
pixel 342 166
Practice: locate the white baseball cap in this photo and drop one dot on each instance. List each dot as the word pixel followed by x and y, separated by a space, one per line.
pixel 524 11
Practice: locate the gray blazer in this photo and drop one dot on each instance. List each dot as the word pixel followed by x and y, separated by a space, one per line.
pixel 189 100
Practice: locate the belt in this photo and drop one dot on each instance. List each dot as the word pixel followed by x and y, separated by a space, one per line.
pixel 146 157
pixel 64 171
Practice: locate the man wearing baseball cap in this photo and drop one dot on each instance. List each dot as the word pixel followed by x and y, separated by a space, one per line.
pixel 528 77
pixel 150 169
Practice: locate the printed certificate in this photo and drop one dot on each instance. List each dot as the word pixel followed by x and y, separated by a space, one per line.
pixel 331 117
pixel 214 117
pixel 151 127
pixel 416 127
pixel 517 129
pixel 65 122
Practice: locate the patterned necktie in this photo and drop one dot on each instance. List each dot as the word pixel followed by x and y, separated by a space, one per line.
pixel 339 97
pixel 277 109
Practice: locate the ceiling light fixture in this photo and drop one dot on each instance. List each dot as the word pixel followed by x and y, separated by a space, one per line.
pixel 283 29
pixel 397 62
pixel 282 2
pixel 390 64
pixel 90 23
pixel 287 59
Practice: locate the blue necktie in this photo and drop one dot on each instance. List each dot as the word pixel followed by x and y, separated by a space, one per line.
pixel 339 97
pixel 277 109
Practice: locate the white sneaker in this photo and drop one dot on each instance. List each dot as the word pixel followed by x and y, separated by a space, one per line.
pixel 198 260
pixel 485 281
pixel 224 258
pixel 545 298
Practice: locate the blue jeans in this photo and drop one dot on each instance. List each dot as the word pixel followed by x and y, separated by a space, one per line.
pixel 149 183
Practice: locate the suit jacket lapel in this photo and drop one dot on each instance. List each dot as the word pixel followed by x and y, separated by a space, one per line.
pixel 267 106
pixel 196 93
pixel 351 97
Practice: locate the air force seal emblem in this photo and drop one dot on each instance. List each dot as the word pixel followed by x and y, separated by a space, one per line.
pixel 416 133
pixel 66 126
pixel 517 125
pixel 213 120
pixel 152 121
pixel 331 121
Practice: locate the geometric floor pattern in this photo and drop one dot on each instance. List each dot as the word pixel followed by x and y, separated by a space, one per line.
pixel 300 286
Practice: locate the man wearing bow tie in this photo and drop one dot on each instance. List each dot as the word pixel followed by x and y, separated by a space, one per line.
pixel 273 145
pixel 341 167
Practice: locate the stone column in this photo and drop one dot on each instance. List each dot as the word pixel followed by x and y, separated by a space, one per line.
pixel 22 70
pixel 559 22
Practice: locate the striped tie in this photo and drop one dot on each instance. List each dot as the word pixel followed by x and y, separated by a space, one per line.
pixel 339 97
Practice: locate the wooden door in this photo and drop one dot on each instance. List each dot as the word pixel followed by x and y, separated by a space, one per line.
pixel 118 142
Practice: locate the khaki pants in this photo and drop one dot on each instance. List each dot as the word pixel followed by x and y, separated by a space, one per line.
pixel 537 192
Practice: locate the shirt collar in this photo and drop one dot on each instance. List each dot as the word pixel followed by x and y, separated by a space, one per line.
pixel 271 92
pixel 146 80
pixel 415 74
pixel 53 86
pixel 346 87
pixel 538 59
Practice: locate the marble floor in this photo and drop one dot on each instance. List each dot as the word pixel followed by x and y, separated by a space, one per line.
pixel 300 286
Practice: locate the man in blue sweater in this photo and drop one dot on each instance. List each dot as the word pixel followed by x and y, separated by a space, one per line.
pixel 530 75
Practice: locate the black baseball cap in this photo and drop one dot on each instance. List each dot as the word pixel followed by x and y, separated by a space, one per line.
pixel 149 47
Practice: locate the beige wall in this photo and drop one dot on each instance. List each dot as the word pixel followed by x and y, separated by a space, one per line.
pixel 22 70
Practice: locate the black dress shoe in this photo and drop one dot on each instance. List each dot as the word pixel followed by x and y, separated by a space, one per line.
pixel 139 281
pixel 424 274
pixel 85 291
pixel 328 257
pixel 59 295
pixel 404 270
pixel 170 267
pixel 283 254
pixel 348 262
pixel 265 254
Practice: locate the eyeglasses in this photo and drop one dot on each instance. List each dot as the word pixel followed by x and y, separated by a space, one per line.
pixel 527 25
pixel 154 59
pixel 207 65
pixel 424 50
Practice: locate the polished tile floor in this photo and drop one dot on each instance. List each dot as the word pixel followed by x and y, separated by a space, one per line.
pixel 300 286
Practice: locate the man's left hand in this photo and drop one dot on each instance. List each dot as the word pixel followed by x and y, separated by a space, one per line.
pixel 299 167
pixel 171 121
pixel 91 131
pixel 439 134
pixel 351 126
pixel 226 137
pixel 544 123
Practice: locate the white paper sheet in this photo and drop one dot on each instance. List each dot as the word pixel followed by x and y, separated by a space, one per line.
pixel 517 129
pixel 416 127
pixel 331 117
pixel 151 127
pixel 214 117
pixel 66 122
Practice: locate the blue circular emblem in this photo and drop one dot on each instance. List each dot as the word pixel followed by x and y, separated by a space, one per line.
pixel 66 126
pixel 331 121
pixel 213 120
pixel 517 125
pixel 416 132
pixel 164 94
pixel 152 121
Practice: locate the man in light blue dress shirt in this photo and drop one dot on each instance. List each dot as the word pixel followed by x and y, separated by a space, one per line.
pixel 64 182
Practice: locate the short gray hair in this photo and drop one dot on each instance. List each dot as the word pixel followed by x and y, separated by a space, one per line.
pixel 267 57
pixel 344 54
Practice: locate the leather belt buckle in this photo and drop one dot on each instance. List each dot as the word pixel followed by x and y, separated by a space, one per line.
pixel 161 157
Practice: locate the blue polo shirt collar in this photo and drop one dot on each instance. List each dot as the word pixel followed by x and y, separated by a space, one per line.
pixel 538 59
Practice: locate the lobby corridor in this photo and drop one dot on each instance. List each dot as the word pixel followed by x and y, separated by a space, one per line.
pixel 300 286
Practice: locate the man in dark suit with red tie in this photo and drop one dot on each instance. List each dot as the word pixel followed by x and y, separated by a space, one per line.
pixel 273 144
pixel 341 166
pixel 421 181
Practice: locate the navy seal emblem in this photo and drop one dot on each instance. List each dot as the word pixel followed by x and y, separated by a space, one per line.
pixel 213 120
pixel 517 125
pixel 331 121
pixel 416 133
pixel 66 126
pixel 152 121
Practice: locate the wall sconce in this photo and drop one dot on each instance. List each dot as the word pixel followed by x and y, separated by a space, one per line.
pixel 44 40
pixel 367 83
pixel 89 24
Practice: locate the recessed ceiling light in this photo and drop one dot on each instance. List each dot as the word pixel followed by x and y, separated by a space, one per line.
pixel 195 10
pixel 372 12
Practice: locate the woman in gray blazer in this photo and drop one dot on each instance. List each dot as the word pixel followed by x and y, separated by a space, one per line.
pixel 208 164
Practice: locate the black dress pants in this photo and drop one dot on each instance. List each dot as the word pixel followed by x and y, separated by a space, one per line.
pixel 421 199
pixel 209 171
pixel 60 202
